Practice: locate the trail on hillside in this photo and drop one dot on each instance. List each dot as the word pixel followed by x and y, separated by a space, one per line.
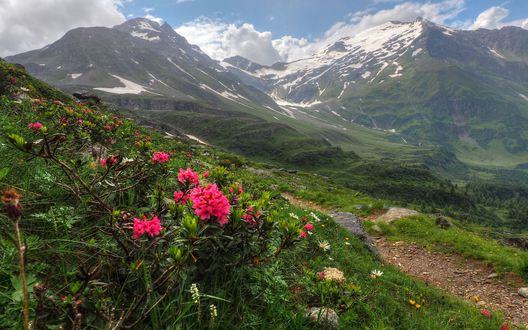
pixel 469 279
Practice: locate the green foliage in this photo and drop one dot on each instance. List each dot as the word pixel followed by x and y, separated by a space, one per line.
pixel 82 260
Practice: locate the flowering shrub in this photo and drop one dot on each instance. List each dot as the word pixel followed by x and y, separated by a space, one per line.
pixel 160 157
pixel 144 226
pixel 210 202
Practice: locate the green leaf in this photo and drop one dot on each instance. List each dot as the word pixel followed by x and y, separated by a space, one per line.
pixel 4 172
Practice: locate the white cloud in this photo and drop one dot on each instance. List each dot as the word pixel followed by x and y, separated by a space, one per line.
pixel 439 12
pixel 182 1
pixel 220 40
pixel 158 20
pixel 493 18
pixel 31 24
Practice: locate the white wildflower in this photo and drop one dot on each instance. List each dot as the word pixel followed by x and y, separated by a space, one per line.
pixel 195 293
pixel 295 216
pixel 315 217
pixel 213 311
pixel 376 273
pixel 324 245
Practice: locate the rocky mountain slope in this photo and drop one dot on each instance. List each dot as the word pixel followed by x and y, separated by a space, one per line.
pixel 140 60
pixel 466 91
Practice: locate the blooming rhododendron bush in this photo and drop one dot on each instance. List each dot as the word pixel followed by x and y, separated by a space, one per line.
pixel 130 219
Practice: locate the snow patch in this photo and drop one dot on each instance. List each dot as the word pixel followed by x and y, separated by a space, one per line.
pixel 75 75
pixel 494 52
pixel 129 88
pixel 345 85
pixel 156 79
pixel 144 25
pixel 416 52
pixel 398 71
pixel 144 36
pixel 366 74
pixel 180 68
pixel 524 97
pixel 192 137
pixel 42 64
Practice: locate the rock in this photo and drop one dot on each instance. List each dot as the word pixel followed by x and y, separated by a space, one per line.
pixel 493 275
pixel 443 222
pixel 354 226
pixel 88 97
pixel 395 213
pixel 326 317
pixel 519 242
pixel 523 292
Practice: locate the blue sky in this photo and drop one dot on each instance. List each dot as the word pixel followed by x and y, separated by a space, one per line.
pixel 298 18
pixel 267 31
pixel 264 31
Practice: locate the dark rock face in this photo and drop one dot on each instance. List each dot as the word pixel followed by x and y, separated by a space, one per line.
pixel 88 97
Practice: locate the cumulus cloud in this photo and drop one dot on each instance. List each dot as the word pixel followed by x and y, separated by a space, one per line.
pixel 493 18
pixel 31 24
pixel 439 12
pixel 220 40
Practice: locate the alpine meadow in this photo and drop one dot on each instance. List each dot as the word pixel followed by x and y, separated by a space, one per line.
pixel 233 164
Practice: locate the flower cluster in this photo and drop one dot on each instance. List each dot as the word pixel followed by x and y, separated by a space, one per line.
pixel 188 176
pixel 181 197
pixel 331 274
pixel 210 202
pixel 112 160
pixel 143 226
pixel 250 216
pixel 36 126
pixel 195 293
pixel 307 229
pixel 160 157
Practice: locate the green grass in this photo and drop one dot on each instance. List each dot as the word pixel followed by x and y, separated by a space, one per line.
pixel 381 303
pixel 62 235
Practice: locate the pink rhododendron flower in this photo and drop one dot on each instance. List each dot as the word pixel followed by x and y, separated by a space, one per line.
pixel 143 226
pixel 321 275
pixel 103 162
pixel 206 174
pixel 188 176
pixel 505 326
pixel 210 202
pixel 486 313
pixel 181 197
pixel 303 234
pixel 160 157
pixel 36 126
pixel 308 227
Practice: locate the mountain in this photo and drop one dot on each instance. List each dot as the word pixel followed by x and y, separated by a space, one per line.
pixel 150 69
pixel 465 91
pixel 144 59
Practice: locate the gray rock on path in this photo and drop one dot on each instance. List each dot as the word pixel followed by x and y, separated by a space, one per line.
pixel 354 226
pixel 324 316
pixel 523 292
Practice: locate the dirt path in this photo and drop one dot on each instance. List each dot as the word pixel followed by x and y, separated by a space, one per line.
pixel 466 278
pixel 469 279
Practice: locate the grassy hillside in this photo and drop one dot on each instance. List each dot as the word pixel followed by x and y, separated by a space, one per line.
pixel 83 174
